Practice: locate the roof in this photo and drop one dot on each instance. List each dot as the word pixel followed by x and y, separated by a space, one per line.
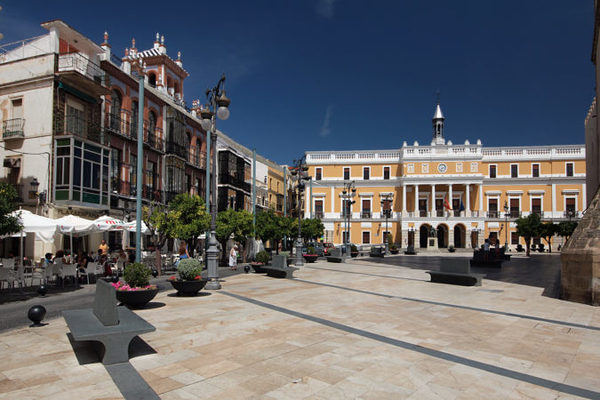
pixel 438 113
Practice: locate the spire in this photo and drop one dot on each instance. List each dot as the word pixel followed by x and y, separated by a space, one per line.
pixel 438 124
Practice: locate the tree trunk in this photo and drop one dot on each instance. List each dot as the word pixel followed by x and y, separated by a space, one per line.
pixel 527 244
pixel 276 246
pixel 158 262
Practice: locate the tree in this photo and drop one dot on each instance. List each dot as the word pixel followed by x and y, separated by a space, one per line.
pixel 160 223
pixel 190 218
pixel 268 228
pixel 9 224
pixel 547 230
pixel 528 227
pixel 566 228
pixel 233 223
pixel 312 228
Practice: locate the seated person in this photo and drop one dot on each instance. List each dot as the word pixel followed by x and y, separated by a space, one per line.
pixel 105 266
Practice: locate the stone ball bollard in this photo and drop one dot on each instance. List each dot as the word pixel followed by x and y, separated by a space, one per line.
pixel 154 273
pixel 42 290
pixel 114 278
pixel 36 314
pixel 247 268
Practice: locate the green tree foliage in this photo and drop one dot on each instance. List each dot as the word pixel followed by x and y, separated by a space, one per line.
pixel 236 223
pixel 528 227
pixel 312 228
pixel 566 228
pixel 547 230
pixel 161 224
pixel 9 224
pixel 189 216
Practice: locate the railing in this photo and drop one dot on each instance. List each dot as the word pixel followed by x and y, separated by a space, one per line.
pixel 474 213
pixel 422 213
pixel 319 214
pixel 149 192
pixel 13 128
pixel 197 158
pixel 365 214
pixel 119 125
pixel 153 138
pixel 81 127
pixel 571 214
pixel 385 213
pixel 539 151
pixel 456 213
pixel 515 213
pixel 233 181
pixel 177 149
pixel 439 213
pixel 538 212
pixel 79 63
pixel 345 215
pixel 492 214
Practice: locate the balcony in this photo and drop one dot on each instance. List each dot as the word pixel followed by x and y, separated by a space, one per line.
pixel 439 213
pixel 365 214
pixel 154 139
pixel 346 215
pixel 151 193
pixel 422 213
pixel 515 213
pixel 493 214
pixel 197 159
pixel 235 182
pixel 177 149
pixel 386 214
pixel 118 125
pixel 79 71
pixel 13 128
pixel 456 213
pixel 82 128
pixel 319 214
pixel 571 214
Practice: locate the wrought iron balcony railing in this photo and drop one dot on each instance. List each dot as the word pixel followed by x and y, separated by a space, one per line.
pixel 177 149
pixel 197 159
pixel 493 214
pixel 365 214
pixel 13 128
pixel 82 128
pixel 79 63
pixel 319 214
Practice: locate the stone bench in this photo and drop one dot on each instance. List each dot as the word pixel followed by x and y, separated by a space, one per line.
pixel 335 255
pixel 377 252
pixel 279 268
pixel 456 272
pixel 108 324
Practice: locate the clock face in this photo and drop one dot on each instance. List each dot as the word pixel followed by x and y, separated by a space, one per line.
pixel 442 168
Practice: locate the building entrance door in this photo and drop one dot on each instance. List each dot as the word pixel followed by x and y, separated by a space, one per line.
pixel 423 235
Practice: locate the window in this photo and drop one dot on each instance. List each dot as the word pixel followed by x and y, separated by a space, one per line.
pixel 386 172
pixel 366 172
pixel 115 170
pixel 319 208
pixel 152 79
pixel 366 237
pixel 514 238
pixel 474 167
pixel 570 205
pixel 75 121
pixel 492 171
pixel 535 170
pixel 459 167
pixel 493 208
pixel 345 237
pixel 134 118
pixel 17 108
pixel 515 208
pixel 514 170
pixel 366 208
pixel 318 172
pixel 569 169
pixel 346 173
pixel 410 168
pixel 115 111
pixel 536 206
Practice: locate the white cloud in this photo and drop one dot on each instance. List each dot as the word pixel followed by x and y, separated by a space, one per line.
pixel 325 128
pixel 325 8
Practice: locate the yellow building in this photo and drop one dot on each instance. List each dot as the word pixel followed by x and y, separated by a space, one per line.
pixel 460 190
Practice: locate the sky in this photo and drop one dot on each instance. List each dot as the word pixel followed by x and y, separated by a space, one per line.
pixel 307 75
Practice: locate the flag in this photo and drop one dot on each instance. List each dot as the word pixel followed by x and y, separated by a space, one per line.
pixel 462 206
pixel 446 204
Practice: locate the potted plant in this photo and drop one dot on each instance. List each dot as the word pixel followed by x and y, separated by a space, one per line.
pixel 137 291
pixel 311 255
pixel 353 250
pixel 394 249
pixel 262 258
pixel 188 281
pixel 451 249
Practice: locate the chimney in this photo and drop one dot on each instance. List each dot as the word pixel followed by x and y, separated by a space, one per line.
pixel 157 41
pixel 106 47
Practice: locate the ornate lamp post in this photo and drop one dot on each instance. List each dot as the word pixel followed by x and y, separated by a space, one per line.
pixel 218 106
pixel 347 195
pixel 506 225
pixel 299 174
pixel 386 210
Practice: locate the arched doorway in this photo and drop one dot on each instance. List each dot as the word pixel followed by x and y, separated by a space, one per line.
pixel 442 236
pixel 459 236
pixel 423 235
pixel 474 239
pixel 411 238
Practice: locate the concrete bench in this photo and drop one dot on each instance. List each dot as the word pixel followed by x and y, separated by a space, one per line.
pixel 456 272
pixel 335 255
pixel 108 324
pixel 279 268
pixel 492 260
pixel 377 252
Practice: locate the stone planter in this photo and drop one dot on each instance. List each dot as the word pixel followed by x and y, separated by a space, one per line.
pixel 188 288
pixel 394 251
pixel 451 249
pixel 354 254
pixel 136 298
pixel 310 258
pixel 258 268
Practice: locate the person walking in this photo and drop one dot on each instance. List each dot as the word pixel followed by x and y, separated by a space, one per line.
pixel 233 258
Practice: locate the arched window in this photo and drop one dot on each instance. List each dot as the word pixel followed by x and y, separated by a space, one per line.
pixel 152 79
pixel 115 110
pixel 152 122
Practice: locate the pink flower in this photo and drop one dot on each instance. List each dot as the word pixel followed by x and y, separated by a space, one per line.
pixel 172 278
pixel 197 277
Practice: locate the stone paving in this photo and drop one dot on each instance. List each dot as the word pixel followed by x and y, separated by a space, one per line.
pixel 338 331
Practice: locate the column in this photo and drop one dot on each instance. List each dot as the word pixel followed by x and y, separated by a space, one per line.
pixel 481 200
pixel 450 200
pixel 403 199
pixel 416 200
pixel 554 201
pixel 433 200
pixel 468 200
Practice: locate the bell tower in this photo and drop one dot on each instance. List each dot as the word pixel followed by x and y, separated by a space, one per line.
pixel 438 125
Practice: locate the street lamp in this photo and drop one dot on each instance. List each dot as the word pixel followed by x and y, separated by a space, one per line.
pixel 386 210
pixel 299 174
pixel 505 225
pixel 347 195
pixel 218 106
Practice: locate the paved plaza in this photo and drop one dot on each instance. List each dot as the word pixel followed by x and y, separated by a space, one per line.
pixel 339 331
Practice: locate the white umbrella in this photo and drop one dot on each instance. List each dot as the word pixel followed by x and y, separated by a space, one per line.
pixel 44 228
pixel 106 223
pixel 75 226
pixel 132 227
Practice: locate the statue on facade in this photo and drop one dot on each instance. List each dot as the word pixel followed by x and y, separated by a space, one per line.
pixel 432 232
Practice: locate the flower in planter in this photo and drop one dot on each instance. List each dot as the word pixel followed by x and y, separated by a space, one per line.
pixel 262 257
pixel 189 269
pixel 137 277
pixel 123 287
pixel 172 278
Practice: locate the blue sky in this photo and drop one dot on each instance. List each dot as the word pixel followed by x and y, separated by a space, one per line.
pixel 347 75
